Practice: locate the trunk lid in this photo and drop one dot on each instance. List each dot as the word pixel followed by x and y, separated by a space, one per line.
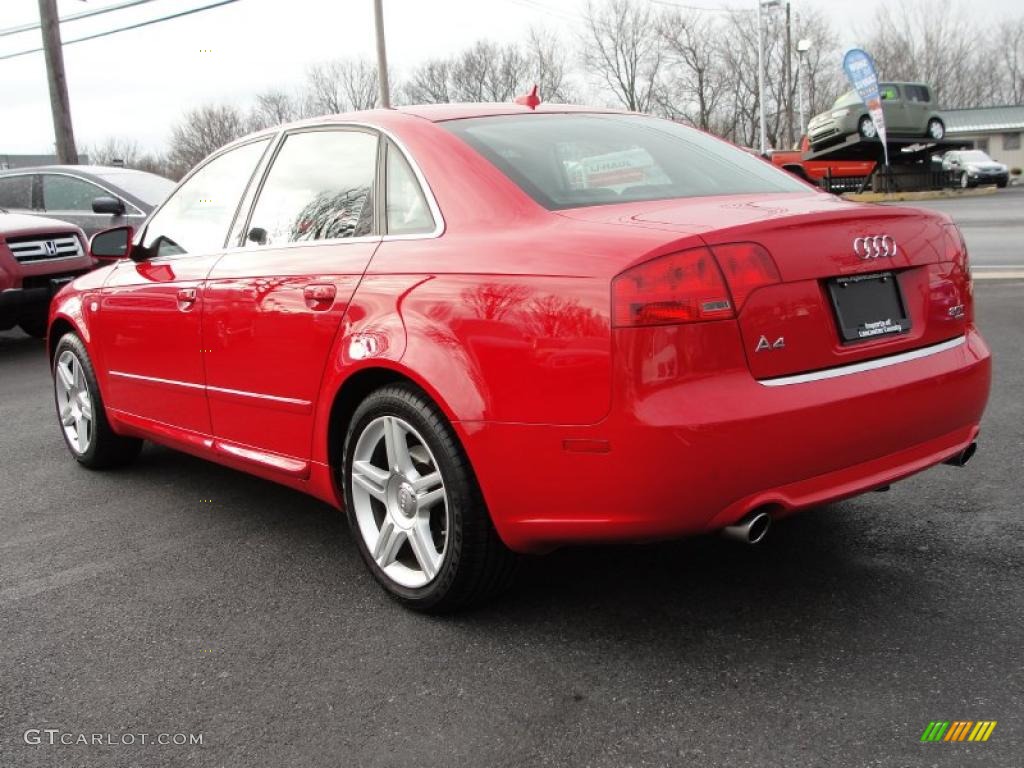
pixel 792 326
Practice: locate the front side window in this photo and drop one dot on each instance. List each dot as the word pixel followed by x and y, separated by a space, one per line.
pixel 889 93
pixel 67 193
pixel 407 210
pixel 16 192
pixel 196 217
pixel 566 161
pixel 320 187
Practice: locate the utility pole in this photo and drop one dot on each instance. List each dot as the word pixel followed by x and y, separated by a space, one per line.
pixel 760 77
pixel 58 81
pixel 382 55
pixel 788 78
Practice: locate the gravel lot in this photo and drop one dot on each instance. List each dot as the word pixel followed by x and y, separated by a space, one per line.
pixel 130 604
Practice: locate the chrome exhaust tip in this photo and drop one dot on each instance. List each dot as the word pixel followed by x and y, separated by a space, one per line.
pixel 961 459
pixel 751 529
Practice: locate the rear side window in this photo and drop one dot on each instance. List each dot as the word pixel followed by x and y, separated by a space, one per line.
pixel 318 188
pixel 917 93
pixel 196 217
pixel 407 209
pixel 566 161
pixel 16 192
pixel 67 193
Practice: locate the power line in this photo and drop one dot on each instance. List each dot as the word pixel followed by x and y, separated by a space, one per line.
pixel 73 17
pixel 125 29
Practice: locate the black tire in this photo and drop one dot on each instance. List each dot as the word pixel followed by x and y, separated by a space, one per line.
pixel 106 449
pixel 33 326
pixel 866 128
pixel 476 564
pixel 1001 184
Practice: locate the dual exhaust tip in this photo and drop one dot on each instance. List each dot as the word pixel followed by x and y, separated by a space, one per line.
pixel 754 527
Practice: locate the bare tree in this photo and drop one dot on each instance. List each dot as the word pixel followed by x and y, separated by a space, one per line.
pixel 621 51
pixel 695 79
pixel 274 107
pixel 115 151
pixel 487 71
pixel 200 132
pixel 340 85
pixel 548 66
pixel 429 83
pixel 917 41
pixel 1011 62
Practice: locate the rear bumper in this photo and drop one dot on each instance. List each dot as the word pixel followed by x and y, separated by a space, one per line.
pixel 698 455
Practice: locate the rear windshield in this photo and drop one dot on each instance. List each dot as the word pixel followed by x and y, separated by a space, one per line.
pixel 568 161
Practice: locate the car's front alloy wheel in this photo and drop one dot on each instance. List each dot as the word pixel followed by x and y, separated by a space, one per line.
pixel 414 505
pixel 936 129
pixel 867 129
pixel 83 419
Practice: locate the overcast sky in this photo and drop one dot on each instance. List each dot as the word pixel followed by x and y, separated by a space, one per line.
pixel 136 84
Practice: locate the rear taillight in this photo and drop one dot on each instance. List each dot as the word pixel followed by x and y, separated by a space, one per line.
pixel 689 286
pixel 684 287
pixel 955 248
pixel 746 266
pixel 955 252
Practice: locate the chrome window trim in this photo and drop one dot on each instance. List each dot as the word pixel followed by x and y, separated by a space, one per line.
pixel 867 365
pixel 90 211
pixel 428 193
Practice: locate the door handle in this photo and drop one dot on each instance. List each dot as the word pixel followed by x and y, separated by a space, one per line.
pixel 319 296
pixel 186 298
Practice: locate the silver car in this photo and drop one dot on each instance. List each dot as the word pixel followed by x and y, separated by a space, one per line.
pixel 909 110
pixel 93 197
pixel 972 167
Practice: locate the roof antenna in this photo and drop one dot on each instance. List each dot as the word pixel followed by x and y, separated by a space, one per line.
pixel 530 99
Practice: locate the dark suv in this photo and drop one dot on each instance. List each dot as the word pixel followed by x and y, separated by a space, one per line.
pixel 37 257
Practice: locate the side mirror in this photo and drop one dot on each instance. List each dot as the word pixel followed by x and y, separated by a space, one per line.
pixel 113 243
pixel 107 204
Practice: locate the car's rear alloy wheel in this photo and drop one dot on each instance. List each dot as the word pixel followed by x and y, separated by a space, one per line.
pixel 80 409
pixel 399 501
pixel 414 505
pixel 936 129
pixel 867 129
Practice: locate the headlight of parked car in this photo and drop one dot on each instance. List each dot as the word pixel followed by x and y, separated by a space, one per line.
pixel 837 113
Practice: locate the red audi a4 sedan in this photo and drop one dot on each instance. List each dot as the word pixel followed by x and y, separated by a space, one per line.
pixel 484 330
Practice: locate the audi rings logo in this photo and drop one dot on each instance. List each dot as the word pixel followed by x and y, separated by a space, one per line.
pixel 874 247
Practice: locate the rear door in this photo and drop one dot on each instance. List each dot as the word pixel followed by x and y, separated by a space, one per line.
pixel 150 318
pixel 917 101
pixel 894 108
pixel 274 303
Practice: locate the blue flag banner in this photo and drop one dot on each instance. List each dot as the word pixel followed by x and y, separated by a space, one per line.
pixel 861 72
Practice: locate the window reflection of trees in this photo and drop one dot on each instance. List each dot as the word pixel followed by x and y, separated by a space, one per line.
pixel 333 215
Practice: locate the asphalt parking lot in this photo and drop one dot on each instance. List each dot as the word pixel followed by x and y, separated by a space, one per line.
pixel 993 226
pixel 181 597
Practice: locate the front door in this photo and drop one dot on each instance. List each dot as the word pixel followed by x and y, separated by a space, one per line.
pixel 273 305
pixel 150 315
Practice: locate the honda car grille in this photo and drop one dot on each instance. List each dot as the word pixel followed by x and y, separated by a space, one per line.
pixel 44 247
